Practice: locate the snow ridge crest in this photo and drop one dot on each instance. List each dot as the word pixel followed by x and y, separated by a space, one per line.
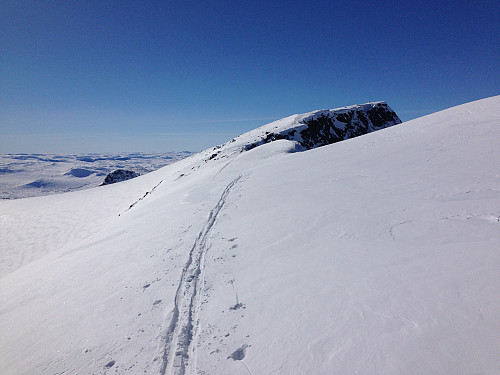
pixel 323 127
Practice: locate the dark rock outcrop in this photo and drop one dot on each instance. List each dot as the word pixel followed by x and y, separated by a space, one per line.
pixel 329 126
pixel 118 176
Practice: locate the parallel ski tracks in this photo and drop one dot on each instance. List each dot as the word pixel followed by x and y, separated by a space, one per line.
pixel 179 340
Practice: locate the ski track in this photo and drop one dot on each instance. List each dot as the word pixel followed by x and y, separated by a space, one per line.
pixel 180 336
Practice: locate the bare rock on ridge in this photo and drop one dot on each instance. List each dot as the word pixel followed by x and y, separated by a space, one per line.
pixel 324 127
pixel 118 176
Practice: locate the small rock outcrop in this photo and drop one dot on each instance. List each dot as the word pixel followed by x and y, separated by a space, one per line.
pixel 118 176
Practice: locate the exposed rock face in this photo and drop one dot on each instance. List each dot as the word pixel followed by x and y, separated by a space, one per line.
pixel 118 176
pixel 324 127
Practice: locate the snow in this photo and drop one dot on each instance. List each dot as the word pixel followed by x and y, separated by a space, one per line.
pixel 31 175
pixel 375 255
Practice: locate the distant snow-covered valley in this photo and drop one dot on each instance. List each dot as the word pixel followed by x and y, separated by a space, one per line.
pixel 31 175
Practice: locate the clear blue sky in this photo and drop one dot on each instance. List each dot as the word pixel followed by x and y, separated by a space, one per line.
pixel 109 76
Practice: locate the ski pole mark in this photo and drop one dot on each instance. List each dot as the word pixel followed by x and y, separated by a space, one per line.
pixel 183 325
pixel 238 304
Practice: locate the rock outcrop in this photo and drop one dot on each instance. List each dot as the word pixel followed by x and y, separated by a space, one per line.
pixel 118 176
pixel 324 127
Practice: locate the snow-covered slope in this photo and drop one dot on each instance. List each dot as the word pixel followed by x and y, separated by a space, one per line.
pixel 376 255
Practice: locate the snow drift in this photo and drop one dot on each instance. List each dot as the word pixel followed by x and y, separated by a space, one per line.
pixel 376 255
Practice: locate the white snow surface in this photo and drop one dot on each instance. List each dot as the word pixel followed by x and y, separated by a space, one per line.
pixel 31 175
pixel 375 255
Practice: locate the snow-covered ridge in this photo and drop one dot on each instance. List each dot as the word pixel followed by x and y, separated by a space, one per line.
pixel 317 128
pixel 27 175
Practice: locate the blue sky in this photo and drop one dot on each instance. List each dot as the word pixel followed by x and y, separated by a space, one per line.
pixel 112 76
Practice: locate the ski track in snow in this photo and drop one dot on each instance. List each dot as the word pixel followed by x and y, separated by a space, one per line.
pixel 179 351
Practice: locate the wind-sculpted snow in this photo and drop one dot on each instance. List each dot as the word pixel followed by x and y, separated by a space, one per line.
pixel 375 255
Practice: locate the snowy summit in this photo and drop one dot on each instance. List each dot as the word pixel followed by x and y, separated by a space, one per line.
pixel 320 128
pixel 374 255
